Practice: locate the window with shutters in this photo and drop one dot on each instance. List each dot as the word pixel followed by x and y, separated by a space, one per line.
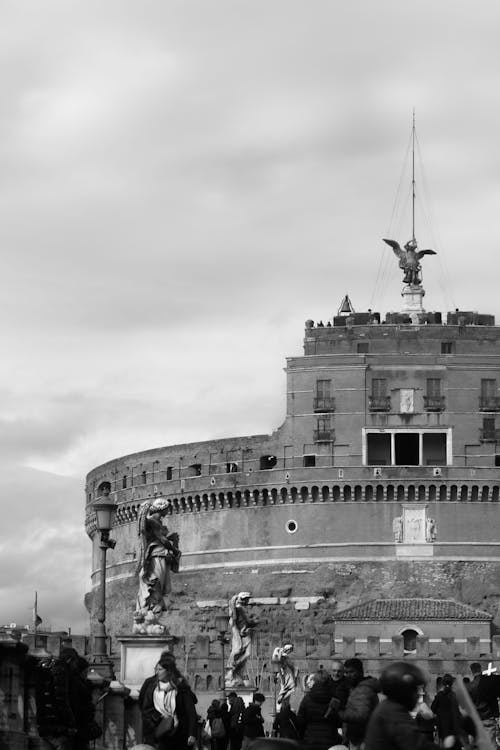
pixel 488 400
pixel 379 400
pixel 323 400
pixel 488 433
pixel 433 399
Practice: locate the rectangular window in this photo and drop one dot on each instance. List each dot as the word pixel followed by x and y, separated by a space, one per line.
pixel 379 449
pixel 406 446
pixel 323 432
pixel 447 347
pixel 323 400
pixel 363 347
pixel 434 449
pixel 379 387
pixel 433 387
pixel 488 430
pixel 489 400
pixel 433 400
pixel 323 388
pixel 310 460
pixel 379 400
pixel 488 387
pixel 194 470
pixel 170 472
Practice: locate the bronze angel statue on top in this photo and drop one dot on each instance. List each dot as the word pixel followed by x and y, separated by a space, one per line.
pixel 409 260
pixel 159 555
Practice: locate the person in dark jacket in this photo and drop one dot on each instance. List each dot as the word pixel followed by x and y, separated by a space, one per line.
pixel 218 718
pixel 167 696
pixel 285 724
pixel 391 726
pixel 317 720
pixel 485 692
pixel 80 697
pixel 236 708
pixel 362 701
pixel 252 721
pixel 445 708
pixel 54 713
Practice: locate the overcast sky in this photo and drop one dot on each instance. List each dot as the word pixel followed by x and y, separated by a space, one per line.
pixel 183 184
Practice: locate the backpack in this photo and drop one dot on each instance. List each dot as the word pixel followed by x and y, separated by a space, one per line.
pixel 218 729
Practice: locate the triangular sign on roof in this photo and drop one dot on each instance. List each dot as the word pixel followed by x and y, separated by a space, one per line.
pixel 346 306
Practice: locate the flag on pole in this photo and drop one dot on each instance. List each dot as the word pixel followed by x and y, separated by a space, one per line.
pixel 37 620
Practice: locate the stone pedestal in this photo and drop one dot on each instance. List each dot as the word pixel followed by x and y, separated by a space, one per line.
pixel 412 299
pixel 139 655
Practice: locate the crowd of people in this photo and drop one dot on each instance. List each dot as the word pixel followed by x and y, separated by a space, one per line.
pixel 341 709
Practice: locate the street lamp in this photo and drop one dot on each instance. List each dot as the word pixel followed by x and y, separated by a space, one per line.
pixel 104 512
pixel 221 623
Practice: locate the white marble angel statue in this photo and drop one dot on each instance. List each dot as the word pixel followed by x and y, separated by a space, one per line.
pixel 287 673
pixel 159 554
pixel 242 625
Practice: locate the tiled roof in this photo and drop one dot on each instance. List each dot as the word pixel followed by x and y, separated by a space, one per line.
pixel 411 609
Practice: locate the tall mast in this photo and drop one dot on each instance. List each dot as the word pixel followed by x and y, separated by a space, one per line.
pixel 413 177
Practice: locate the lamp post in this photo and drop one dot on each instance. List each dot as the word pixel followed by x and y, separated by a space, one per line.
pixel 221 622
pixel 104 512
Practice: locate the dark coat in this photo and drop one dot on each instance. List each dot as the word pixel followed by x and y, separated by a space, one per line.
pixel 286 724
pixel 316 731
pixel 252 721
pixel 484 691
pixel 54 712
pixel 340 691
pixel 392 728
pixel 236 715
pixel 184 709
pixel 362 701
pixel 445 707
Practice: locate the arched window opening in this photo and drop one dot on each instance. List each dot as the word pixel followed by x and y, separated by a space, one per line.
pixel 410 640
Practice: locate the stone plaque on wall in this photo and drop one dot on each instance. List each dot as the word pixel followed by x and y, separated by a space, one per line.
pixel 414 525
pixel 406 401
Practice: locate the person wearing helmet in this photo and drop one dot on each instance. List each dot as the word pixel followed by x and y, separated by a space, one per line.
pixel 391 726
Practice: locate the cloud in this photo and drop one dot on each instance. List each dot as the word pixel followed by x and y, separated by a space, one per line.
pixel 183 184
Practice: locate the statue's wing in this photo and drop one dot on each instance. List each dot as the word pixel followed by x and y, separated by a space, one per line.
pixel 396 247
pixel 420 253
pixel 141 532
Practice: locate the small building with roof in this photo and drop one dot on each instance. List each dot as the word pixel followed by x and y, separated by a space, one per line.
pixel 438 620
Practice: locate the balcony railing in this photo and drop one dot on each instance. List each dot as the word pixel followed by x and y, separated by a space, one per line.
pixel 434 403
pixel 489 403
pixel 379 403
pixel 324 403
pixel 324 436
pixel 489 435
